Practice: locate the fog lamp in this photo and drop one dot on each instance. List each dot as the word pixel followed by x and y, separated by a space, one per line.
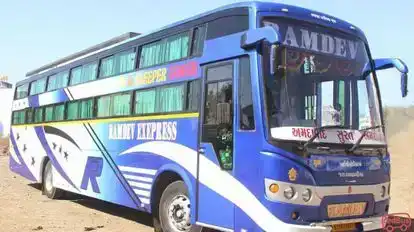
pixel 289 192
pixel 306 195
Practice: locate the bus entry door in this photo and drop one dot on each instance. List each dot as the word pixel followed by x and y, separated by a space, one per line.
pixel 216 145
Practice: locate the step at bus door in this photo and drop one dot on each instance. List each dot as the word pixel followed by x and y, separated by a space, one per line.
pixel 216 145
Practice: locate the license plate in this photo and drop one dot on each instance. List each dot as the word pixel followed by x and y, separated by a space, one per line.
pixel 344 227
pixel 346 210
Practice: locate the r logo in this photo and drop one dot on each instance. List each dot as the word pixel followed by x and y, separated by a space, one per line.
pixel 93 170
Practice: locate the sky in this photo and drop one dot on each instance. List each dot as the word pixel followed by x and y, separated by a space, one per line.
pixel 34 33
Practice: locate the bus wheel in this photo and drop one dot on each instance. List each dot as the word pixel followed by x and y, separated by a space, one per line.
pixel 48 189
pixel 174 210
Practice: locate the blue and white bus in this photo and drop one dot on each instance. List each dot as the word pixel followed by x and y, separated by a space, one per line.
pixel 252 117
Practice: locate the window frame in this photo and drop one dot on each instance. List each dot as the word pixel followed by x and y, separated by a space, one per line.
pixel 18 112
pixel 53 112
pixel 130 92
pixel 202 27
pixel 239 90
pixel 45 78
pixel 141 46
pixel 96 77
pixel 57 74
pixel 42 108
pixel 114 55
pixel 27 90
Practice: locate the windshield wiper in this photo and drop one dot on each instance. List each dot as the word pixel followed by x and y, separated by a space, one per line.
pixel 364 132
pixel 319 130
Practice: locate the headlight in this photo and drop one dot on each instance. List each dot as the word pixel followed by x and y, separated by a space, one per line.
pixel 383 191
pixel 306 195
pixel 289 193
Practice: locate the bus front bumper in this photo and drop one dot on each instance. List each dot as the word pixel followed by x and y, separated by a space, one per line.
pixel 368 224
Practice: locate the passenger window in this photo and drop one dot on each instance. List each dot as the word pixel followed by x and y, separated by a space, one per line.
pixel 83 73
pixel 114 105
pixel 107 67
pixel 19 117
pixel 80 109
pixel 57 81
pixel 30 115
pixel 198 40
pixel 171 99
pixel 145 101
pixel 73 111
pixel 38 86
pixel 38 115
pixel 22 91
pixel 170 49
pixel 218 113
pixel 245 96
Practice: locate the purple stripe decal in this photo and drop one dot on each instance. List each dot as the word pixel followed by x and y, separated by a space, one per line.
pixel 41 135
pixel 34 101
pixel 21 168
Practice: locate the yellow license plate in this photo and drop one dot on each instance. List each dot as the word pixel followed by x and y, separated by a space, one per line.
pixel 344 227
pixel 346 210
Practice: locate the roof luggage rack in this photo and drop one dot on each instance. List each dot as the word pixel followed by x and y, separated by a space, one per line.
pixel 94 48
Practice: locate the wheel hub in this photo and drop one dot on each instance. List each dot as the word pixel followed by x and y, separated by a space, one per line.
pixel 179 213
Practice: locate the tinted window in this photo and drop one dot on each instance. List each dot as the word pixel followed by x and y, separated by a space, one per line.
pixel 218 114
pixel 19 117
pixel 58 81
pixel 38 115
pixel 168 98
pixel 107 67
pixel 84 73
pixel 30 115
pixel 22 91
pixel 166 50
pixel 118 63
pixel 245 95
pixel 227 25
pixel 54 113
pixel 198 40
pixel 193 95
pixel 145 101
pixel 73 110
pixel 222 72
pixel 80 109
pixel 38 86
pixel 114 105
pixel 171 98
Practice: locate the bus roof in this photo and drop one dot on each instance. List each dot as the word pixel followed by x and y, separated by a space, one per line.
pixel 258 6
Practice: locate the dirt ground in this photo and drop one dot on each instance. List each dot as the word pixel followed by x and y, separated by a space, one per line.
pixel 23 208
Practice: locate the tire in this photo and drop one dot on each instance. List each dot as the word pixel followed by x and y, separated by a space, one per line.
pixel 47 183
pixel 173 214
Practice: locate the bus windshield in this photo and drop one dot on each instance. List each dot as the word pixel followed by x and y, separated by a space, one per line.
pixel 319 80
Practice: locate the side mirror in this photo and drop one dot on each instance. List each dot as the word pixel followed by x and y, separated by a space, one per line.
pixel 253 37
pixel 268 34
pixel 381 64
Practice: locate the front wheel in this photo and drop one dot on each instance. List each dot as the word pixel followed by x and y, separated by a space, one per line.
pixel 174 210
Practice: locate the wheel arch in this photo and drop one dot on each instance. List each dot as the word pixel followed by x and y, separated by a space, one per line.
pixel 168 174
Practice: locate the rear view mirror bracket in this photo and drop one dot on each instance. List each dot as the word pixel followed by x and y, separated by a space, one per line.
pixel 381 64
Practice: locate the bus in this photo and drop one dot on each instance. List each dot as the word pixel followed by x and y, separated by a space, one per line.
pixel 255 116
